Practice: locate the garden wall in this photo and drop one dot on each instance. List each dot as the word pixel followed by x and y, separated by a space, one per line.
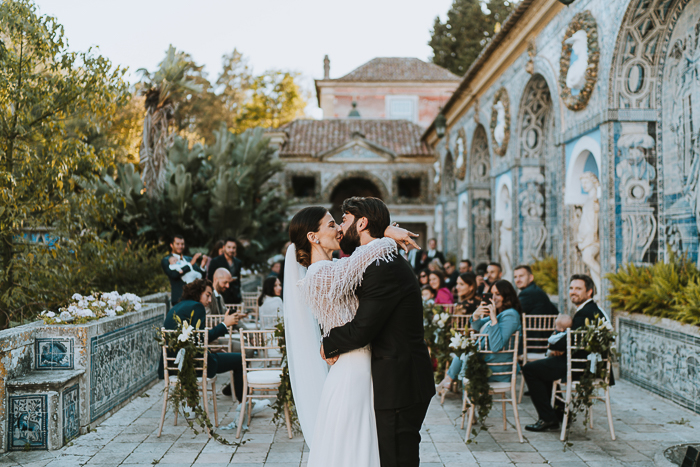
pixel 55 380
pixel 662 356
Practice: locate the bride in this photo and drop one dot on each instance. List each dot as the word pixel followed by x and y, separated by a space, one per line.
pixel 335 407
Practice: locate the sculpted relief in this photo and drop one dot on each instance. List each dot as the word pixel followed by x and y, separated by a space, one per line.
pixel 500 122
pixel 531 201
pixel 504 214
pixel 576 76
pixel 461 154
pixel 481 218
pixel 587 237
pixel 580 53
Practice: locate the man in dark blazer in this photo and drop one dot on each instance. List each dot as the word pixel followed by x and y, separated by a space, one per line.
pixel 430 254
pixel 229 261
pixel 177 248
pixel 540 374
pixel 533 300
pixel 390 318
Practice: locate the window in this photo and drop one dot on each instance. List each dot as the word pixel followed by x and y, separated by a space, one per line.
pixel 304 186
pixel 402 107
pixel 409 187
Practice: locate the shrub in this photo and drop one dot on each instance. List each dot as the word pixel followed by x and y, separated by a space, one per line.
pixel 546 272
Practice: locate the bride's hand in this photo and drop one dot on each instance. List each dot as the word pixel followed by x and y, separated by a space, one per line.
pixel 402 237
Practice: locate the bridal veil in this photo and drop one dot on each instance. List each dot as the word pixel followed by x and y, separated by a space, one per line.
pixel 307 370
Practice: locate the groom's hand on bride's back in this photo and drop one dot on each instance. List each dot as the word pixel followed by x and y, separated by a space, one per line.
pixel 330 361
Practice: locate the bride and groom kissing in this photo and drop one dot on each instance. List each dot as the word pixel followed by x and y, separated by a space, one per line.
pixel 361 401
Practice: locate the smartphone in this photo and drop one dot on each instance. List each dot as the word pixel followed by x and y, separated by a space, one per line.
pixel 486 297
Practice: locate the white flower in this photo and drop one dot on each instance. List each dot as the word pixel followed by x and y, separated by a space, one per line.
pixel 50 314
pixel 436 318
pixel 456 341
pixel 186 331
pixel 608 326
pixel 66 316
pixel 82 303
pixel 110 312
pixel 58 320
pixel 137 306
pixel 77 296
pixel 101 303
pixel 90 298
pixel 118 308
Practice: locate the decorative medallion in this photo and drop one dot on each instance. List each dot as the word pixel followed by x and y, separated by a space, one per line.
pixel 531 52
pixel 461 155
pixel 500 122
pixel 579 61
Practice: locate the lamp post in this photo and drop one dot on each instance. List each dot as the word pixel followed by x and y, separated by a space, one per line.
pixel 440 124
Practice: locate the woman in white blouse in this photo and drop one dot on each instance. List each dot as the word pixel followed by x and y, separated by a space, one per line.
pixel 270 302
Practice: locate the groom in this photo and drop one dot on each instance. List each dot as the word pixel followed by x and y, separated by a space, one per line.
pixel 390 318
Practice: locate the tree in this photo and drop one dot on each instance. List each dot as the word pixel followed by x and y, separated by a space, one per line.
pixel 46 166
pixel 163 89
pixel 470 25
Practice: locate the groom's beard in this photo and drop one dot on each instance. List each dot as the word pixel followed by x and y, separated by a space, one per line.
pixel 350 240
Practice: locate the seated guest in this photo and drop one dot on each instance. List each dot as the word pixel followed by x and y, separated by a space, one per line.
pixel 270 301
pixel 275 269
pixel 435 265
pixel 229 261
pixel 427 294
pixel 500 319
pixel 451 275
pixel 533 299
pixel 465 266
pixel 443 296
pixel 481 278
pixel 562 323
pixel 423 277
pixel 494 272
pixel 431 253
pixel 540 374
pixel 196 297
pixel 220 284
pixel 466 291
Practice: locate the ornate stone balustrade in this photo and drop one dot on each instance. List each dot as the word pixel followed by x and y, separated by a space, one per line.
pixel 661 356
pixel 56 380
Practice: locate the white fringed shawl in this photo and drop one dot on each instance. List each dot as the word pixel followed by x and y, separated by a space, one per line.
pixel 329 286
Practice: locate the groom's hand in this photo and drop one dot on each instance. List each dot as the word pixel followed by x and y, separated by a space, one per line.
pixel 330 361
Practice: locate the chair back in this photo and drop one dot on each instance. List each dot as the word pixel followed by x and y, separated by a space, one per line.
pixel 511 348
pixel 534 341
pixel 260 342
pixel 447 307
pixel 460 323
pixel 212 322
pixel 250 304
pixel 575 365
pixel 269 321
pixel 201 338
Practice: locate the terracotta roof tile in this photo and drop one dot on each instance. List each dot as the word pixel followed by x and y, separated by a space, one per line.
pixel 311 137
pixel 387 69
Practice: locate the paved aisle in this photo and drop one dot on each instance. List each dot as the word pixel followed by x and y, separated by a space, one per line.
pixel 642 423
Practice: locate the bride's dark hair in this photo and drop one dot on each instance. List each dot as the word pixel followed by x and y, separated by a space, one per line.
pixel 305 221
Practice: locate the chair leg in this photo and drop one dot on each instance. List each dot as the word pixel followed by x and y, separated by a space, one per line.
pixel 590 417
pixel 250 409
pixel 554 392
pixel 503 403
pixel 517 420
pixel 205 399
pixel 166 393
pixel 464 408
pixel 233 392
pixel 609 410
pixel 522 389
pixel 287 419
pixel 470 422
pixel 213 398
pixel 242 414
pixel 566 412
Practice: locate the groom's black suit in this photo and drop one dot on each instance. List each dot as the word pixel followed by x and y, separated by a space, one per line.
pixel 390 317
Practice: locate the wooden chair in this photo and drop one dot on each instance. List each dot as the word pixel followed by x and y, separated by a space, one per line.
pixel 534 347
pixel 460 323
pixel 496 387
pixel 226 345
pixel 250 305
pixel 565 391
pixel 265 377
pixel 200 366
pixel 269 322
pixel 448 307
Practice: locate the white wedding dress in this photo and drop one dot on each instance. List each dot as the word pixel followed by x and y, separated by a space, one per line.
pixel 345 431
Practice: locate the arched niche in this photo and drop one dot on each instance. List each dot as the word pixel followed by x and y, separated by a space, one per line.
pixel 449 174
pixel 480 164
pixel 585 157
pixel 504 199
pixel 353 184
pixel 534 119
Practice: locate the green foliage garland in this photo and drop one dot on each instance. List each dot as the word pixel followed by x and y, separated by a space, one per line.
pixel 436 328
pixel 599 338
pixel 478 373
pixel 284 395
pixel 186 391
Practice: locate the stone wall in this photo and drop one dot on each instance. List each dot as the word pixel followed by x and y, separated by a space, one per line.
pixel 56 380
pixel 662 356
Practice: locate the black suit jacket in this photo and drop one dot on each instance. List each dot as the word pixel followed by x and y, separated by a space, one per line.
pixel 390 317
pixel 233 293
pixel 175 277
pixel 438 255
pixel 535 301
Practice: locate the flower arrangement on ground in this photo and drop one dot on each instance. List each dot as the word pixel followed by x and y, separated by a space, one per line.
pixel 436 325
pixel 94 306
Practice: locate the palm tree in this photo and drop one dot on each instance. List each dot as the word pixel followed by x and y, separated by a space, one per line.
pixel 163 90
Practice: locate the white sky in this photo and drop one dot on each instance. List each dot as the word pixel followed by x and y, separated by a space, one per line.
pixel 274 34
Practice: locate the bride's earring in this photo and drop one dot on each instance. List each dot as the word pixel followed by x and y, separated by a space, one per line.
pixel 318 241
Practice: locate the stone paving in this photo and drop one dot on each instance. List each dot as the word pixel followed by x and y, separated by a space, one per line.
pixel 645 425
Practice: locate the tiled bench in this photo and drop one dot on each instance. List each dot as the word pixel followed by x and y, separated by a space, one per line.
pixel 43 409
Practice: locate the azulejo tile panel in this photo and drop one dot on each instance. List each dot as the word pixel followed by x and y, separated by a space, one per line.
pixel 662 361
pixel 71 413
pixel 53 354
pixel 27 422
pixel 122 362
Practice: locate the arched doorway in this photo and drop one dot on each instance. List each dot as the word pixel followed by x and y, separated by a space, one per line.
pixel 353 186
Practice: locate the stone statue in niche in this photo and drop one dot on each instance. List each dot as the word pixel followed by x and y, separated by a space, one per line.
pixel 482 231
pixel 587 237
pixel 460 154
pixel 636 176
pixel 532 209
pixel 576 76
pixel 499 133
pixel 505 238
